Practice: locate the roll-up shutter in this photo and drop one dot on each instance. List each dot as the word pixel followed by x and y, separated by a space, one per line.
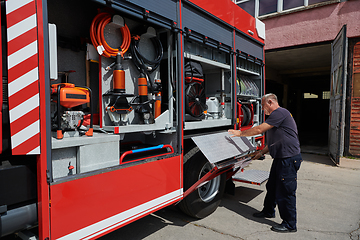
pixel 200 22
pixel 251 47
pixel 164 12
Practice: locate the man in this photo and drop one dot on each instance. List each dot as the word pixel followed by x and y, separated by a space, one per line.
pixel 284 147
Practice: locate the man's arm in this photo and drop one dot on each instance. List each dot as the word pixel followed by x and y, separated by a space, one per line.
pixel 252 131
pixel 261 153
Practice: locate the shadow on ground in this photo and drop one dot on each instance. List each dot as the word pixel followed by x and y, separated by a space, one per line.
pixel 238 204
pixel 317 158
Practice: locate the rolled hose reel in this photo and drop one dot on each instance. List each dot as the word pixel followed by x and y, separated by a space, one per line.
pixel 245 115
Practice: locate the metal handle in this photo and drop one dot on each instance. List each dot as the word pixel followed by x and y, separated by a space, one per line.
pixel 145 150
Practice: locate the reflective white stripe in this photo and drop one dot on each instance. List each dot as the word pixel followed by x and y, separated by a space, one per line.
pixel 21 27
pixel 23 108
pixel 122 218
pixel 22 54
pixel 25 134
pixel 23 81
pixel 35 151
pixel 12 5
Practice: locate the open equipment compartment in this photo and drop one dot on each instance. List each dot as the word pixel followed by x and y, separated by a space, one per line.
pixel 209 102
pixel 249 85
pixel 126 88
pixel 249 90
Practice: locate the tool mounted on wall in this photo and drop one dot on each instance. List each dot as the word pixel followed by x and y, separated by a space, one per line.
pixel 97 35
pixel 149 90
pixel 158 88
pixel 118 107
pixel 142 104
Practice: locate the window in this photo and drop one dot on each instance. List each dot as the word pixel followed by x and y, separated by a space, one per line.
pixel 289 4
pixel 267 6
pixel 316 1
pixel 310 95
pixel 258 8
pixel 248 6
pixel 326 95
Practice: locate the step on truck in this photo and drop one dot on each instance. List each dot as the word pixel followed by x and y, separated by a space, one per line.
pixel 114 109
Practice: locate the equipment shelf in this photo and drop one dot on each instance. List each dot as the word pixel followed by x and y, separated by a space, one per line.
pixel 245 71
pixel 207 124
pixel 206 61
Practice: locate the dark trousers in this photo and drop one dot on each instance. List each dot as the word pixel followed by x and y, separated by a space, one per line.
pixel 281 189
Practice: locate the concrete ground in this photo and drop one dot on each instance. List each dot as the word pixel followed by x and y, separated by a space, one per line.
pixel 328 203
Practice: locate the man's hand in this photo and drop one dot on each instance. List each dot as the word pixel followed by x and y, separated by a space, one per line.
pixel 251 131
pixel 234 133
pixel 257 156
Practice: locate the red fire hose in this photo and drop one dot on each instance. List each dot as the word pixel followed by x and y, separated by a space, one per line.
pixel 98 40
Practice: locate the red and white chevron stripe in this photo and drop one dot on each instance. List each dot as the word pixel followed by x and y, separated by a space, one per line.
pixel 23 76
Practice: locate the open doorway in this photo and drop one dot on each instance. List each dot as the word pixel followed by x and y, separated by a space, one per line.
pixel 300 77
pixel 308 100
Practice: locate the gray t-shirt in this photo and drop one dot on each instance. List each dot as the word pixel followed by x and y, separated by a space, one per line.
pixel 283 141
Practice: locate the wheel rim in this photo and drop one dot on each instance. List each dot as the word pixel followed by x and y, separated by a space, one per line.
pixel 208 191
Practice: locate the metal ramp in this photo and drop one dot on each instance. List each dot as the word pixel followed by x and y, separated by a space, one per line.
pixel 224 153
pixel 252 176
pixel 218 147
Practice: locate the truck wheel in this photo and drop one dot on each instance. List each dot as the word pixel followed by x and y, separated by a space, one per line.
pixel 204 200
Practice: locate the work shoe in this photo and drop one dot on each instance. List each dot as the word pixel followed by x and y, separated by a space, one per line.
pixel 263 215
pixel 282 229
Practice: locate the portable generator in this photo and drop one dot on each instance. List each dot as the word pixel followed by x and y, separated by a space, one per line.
pixel 68 96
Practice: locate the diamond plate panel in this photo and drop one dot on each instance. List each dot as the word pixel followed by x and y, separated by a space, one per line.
pixel 252 176
pixel 220 146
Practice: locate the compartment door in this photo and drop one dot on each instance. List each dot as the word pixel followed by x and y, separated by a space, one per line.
pixel 337 95
pixel 23 76
pixel 202 23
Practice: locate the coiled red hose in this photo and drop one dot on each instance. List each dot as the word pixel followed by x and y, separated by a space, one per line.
pixel 98 40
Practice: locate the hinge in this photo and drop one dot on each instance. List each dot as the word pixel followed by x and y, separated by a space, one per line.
pixel 205 39
pixel 146 14
pixel 187 32
pixel 48 176
pixel 174 26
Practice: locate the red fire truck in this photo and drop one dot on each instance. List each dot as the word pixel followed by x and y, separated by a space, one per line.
pixel 114 109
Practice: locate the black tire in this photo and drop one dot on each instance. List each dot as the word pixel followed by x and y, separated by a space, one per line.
pixel 204 200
